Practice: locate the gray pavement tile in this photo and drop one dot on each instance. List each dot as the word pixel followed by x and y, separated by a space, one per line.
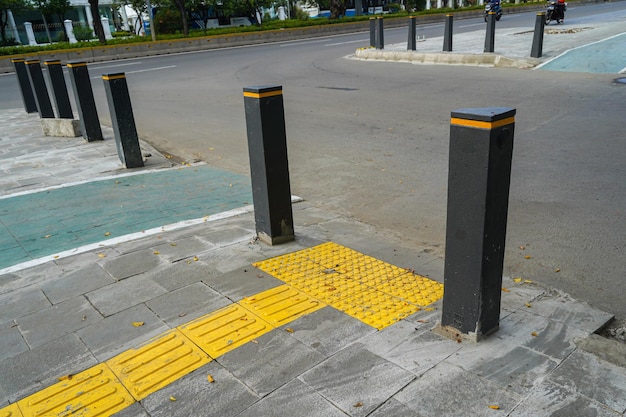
pixel 594 378
pixel 518 370
pixel 182 248
pixel 559 306
pixel 134 410
pixel 228 234
pixel 355 235
pixel 609 350
pixel 553 338
pixel 83 260
pixel 448 390
pixel 181 274
pixel 30 371
pixel 11 341
pixel 414 350
pixel 8 278
pixel 519 294
pixel 196 396
pixel 394 408
pixel 116 333
pixel 124 294
pixel 294 399
pixel 328 330
pixel 23 302
pixel 130 264
pixel 79 282
pixel 548 399
pixel 33 275
pixel 58 320
pixel 271 362
pixel 357 380
pixel 305 214
pixel 231 257
pixel 187 303
pixel 242 282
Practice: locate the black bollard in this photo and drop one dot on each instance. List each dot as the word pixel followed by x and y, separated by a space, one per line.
pixel 481 149
pixel 269 167
pixel 85 103
pixel 447 34
pixel 123 120
pixel 410 46
pixel 380 35
pixel 59 89
pixel 35 75
pixel 30 105
pixel 537 47
pixel 490 37
pixel 373 32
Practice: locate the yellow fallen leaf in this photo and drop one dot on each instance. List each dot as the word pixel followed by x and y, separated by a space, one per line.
pixel 172 244
pixel 56 256
pixel 210 378
pixel 494 407
pixel 429 309
pixel 517 279
pixel 172 398
pixel 156 252
pixel 505 289
pixel 289 330
pixel 101 255
pixel 528 305
pixel 47 236
pixel 107 233
pixel 138 323
pixel 534 334
pixel 527 257
pixel 557 270
pixel 65 377
pixel 527 281
pixel 195 258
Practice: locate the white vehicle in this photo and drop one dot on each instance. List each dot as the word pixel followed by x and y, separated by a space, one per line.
pixel 234 23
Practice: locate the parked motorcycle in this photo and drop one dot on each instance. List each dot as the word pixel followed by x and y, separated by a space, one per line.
pixel 555 10
pixel 493 6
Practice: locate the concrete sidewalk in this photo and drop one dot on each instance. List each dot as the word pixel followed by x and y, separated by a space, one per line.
pixel 512 48
pixel 336 323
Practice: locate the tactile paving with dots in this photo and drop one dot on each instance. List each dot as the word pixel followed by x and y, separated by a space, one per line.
pixel 368 289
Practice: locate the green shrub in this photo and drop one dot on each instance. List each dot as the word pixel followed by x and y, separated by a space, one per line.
pixel 301 14
pixel 83 33
pixel 167 21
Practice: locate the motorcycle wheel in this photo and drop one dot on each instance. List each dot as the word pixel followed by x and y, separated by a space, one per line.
pixel 498 16
pixel 485 18
pixel 548 17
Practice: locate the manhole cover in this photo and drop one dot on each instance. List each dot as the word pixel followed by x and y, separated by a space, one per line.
pixel 621 80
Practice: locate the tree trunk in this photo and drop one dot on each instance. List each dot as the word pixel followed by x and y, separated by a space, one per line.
pixel 97 22
pixel 183 16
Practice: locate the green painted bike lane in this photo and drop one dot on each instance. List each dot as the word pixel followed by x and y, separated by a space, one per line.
pixel 606 56
pixel 51 221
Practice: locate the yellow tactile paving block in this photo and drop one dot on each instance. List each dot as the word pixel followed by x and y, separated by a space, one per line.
pixel 288 270
pixel 11 411
pixel 157 363
pixel 225 329
pixel 281 305
pixel 413 288
pixel 364 287
pixel 94 392
pixel 376 308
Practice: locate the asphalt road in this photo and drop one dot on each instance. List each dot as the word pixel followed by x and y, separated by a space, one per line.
pixel 370 140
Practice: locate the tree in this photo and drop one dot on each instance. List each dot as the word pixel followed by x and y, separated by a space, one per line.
pixel 5 6
pixel 337 7
pixel 50 8
pixel 97 22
